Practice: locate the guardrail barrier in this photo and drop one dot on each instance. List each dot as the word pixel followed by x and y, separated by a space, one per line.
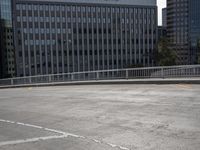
pixel 130 73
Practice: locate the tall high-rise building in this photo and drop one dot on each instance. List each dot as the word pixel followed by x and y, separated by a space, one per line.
pixel 162 30
pixel 7 54
pixel 1 62
pixel 183 29
pixel 60 36
pixel 194 30
pixel 162 33
pixel 164 17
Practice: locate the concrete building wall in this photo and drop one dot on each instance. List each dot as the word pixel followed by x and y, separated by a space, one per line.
pixel 66 37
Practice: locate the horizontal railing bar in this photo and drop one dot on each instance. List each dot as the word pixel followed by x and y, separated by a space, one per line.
pixel 99 71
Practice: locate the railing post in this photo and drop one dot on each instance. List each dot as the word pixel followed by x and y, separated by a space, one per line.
pixel 127 74
pixel 49 78
pixel 63 77
pixel 162 73
pixel 97 76
pixel 72 77
pixel 194 71
pixel 83 76
pixel 11 81
pixel 29 80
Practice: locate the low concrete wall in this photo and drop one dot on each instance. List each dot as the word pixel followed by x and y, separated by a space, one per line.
pixel 103 82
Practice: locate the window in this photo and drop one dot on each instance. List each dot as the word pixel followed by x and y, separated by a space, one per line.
pixel 18 19
pixel 30 19
pixel 24 19
pixel 31 42
pixel 37 42
pixel 18 7
pixel 29 7
pixel 23 7
pixel 46 7
pixel 19 42
pixel 57 8
pixel 41 7
pixel 35 7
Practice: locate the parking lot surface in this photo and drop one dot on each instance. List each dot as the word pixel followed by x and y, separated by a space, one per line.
pixel 101 117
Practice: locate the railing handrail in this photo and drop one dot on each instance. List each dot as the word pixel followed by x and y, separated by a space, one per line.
pixel 99 71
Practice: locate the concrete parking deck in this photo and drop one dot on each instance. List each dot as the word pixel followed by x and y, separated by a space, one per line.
pixel 101 117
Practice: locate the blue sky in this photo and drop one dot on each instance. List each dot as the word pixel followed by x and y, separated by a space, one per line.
pixel 161 4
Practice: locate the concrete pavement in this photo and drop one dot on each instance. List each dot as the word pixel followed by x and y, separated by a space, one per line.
pixel 101 117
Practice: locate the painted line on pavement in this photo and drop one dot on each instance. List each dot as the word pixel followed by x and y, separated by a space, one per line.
pixel 6 143
pixel 61 136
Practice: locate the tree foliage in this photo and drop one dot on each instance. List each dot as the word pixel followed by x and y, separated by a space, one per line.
pixel 165 56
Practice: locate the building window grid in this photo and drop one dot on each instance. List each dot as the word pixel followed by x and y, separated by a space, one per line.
pixel 93 9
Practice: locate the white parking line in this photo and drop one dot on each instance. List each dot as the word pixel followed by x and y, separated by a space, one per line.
pixel 33 126
pixel 55 131
pixel 31 140
pixel 62 135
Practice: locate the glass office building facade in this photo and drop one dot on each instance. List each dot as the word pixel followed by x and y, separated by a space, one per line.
pixel 1 62
pixel 183 29
pixel 62 36
pixel 7 54
pixel 194 30
pixel 177 29
pixel 6 13
pixel 164 17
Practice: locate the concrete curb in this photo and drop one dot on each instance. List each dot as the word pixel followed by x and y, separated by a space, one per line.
pixel 106 82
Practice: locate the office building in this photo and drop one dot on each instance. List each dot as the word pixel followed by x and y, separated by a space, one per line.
pixel 162 32
pixel 183 29
pixel 7 54
pixel 1 62
pixel 164 17
pixel 61 36
pixel 194 30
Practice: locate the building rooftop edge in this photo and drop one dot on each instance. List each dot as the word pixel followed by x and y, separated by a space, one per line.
pixel 117 2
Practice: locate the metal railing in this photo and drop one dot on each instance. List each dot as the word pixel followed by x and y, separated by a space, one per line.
pixel 131 73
